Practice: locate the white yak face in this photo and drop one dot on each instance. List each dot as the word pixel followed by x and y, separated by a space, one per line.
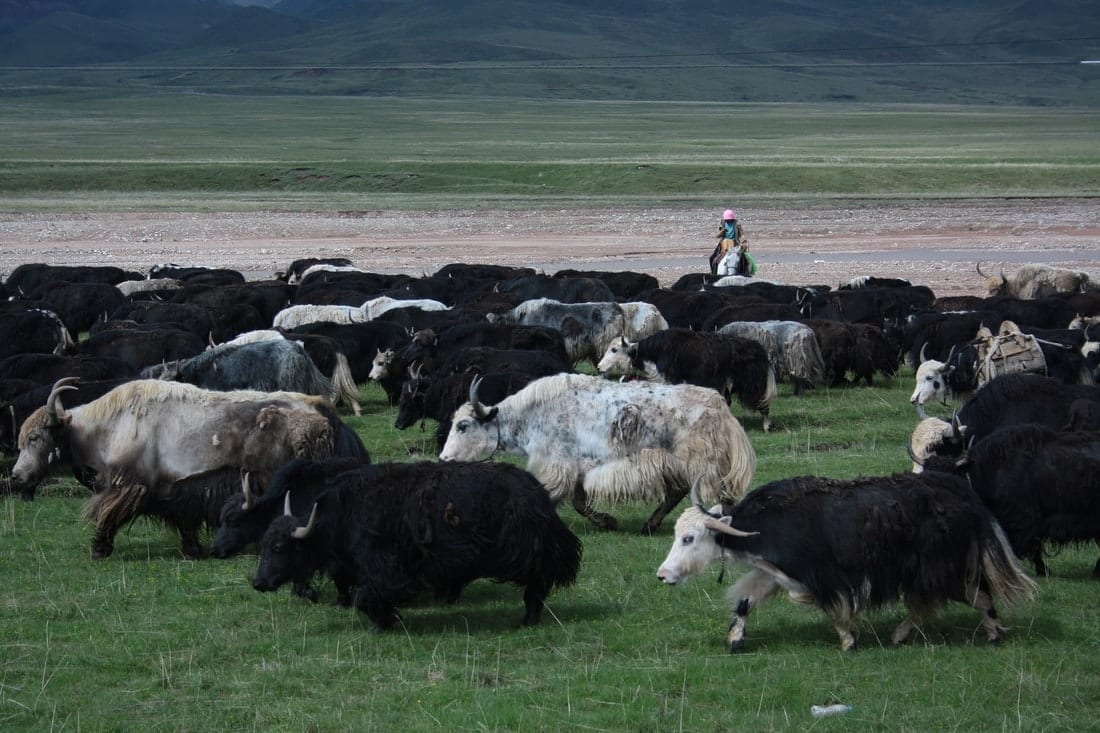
pixel 470 439
pixel 930 384
pixel 693 548
pixel 616 360
pixel 928 439
pixel 380 367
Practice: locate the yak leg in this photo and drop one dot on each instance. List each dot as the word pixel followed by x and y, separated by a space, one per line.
pixel 904 630
pixel 1096 568
pixel 580 503
pixel 980 599
pixel 673 494
pixel 189 540
pixel 845 629
pixel 765 413
pixel 753 588
pixel 1041 568
pixel 533 598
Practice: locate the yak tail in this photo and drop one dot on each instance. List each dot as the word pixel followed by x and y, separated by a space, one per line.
pixel 533 541
pixel 1002 571
pixel 561 553
pixel 116 506
pixel 344 389
pixel 737 453
pixel 810 351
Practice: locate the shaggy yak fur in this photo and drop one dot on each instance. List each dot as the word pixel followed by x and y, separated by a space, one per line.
pixel 398 528
pixel 847 546
pixel 589 438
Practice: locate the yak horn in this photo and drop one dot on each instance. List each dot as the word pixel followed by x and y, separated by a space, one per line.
pixel 923 348
pixel 248 502
pixel 55 411
pixel 912 455
pixel 302 533
pixel 717 525
pixel 286 505
pixel 481 412
pixel 978 267
pixel 693 497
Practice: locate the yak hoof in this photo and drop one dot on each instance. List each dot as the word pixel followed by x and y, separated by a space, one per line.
pixel 737 645
pixel 604 521
pixel 101 552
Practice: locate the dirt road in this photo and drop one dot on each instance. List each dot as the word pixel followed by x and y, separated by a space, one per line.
pixel 935 243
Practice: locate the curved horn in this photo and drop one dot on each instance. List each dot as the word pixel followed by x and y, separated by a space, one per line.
pixel 415 369
pixel 717 525
pixel 481 412
pixel 286 506
pixel 912 455
pixel 55 411
pixel 978 267
pixel 923 348
pixel 302 533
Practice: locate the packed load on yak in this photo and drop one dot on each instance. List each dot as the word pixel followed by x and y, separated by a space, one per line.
pixel 1010 351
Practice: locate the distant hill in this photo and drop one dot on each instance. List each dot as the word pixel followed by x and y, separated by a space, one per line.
pixel 961 51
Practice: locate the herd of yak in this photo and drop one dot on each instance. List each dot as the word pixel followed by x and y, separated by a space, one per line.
pixel 200 398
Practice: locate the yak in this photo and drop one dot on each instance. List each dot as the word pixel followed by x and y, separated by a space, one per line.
pixel 394 529
pixel 846 546
pixel 584 436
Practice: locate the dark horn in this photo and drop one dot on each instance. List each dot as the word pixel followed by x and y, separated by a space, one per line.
pixel 481 412
pixel 978 267
pixel 912 455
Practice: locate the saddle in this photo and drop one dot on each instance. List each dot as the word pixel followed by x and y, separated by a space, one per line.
pixel 1010 351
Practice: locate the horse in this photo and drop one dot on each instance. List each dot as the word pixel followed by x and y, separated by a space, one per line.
pixel 735 262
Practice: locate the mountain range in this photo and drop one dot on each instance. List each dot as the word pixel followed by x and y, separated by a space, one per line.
pixel 1016 52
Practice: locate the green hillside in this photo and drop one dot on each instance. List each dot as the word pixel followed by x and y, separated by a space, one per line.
pixel 1019 52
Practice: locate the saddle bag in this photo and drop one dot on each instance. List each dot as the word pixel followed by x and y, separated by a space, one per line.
pixel 1010 351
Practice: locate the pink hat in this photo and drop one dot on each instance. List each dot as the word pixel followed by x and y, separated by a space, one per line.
pixel 728 215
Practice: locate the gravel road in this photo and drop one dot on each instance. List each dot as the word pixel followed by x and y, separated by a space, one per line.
pixel 937 243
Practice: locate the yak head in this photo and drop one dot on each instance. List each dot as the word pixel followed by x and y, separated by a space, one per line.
pixel 412 404
pixel 619 357
pixel 285 551
pixel 380 367
pixel 40 439
pixel 695 542
pixel 994 284
pixel 933 437
pixel 241 522
pixel 475 431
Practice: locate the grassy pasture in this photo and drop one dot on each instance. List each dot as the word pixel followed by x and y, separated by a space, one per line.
pixel 148 641
pixel 94 150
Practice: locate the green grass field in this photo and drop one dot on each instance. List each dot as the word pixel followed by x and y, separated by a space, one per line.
pixel 80 151
pixel 148 641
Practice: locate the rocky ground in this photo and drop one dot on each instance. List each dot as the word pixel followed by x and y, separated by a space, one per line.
pixel 937 243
